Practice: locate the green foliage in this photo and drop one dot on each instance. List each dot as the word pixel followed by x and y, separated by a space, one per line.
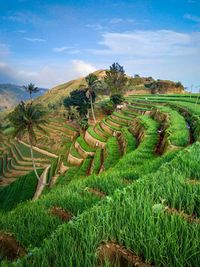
pixel 129 140
pixel 146 216
pixel 27 117
pixel 79 100
pixel 31 88
pixel 112 153
pixel 97 161
pixel 107 107
pixel 84 145
pixel 116 99
pixel 23 189
pixel 116 79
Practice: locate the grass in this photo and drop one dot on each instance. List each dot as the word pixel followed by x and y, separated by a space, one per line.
pixel 112 153
pixel 146 209
pixel 84 145
pixel 129 140
pixel 97 161
pixel 95 135
pixel 152 228
pixel 23 189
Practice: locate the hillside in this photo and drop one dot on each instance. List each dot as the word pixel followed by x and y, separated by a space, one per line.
pixel 139 85
pixel 118 194
pixel 11 94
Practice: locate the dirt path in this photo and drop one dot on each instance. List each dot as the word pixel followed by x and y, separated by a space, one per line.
pixel 41 183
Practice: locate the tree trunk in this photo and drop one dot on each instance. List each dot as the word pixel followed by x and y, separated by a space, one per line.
pixel 33 160
pixel 92 109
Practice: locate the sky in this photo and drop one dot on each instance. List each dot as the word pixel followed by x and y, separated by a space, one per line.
pixel 50 42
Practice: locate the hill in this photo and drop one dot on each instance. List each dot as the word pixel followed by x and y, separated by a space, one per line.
pixel 137 84
pixel 11 94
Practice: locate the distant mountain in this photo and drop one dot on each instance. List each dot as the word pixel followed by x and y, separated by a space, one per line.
pixel 11 94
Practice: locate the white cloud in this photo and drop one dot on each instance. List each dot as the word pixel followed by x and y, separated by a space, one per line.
pixel 70 50
pixel 82 68
pixel 192 18
pixel 21 31
pixel 34 39
pixel 116 20
pixel 47 76
pixel 120 20
pixel 96 27
pixel 149 43
pixel 62 48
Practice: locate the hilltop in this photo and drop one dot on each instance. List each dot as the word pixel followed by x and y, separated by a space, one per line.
pixel 138 85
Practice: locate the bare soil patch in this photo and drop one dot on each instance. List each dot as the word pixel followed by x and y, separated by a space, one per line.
pixel 118 256
pixel 193 182
pixel 190 218
pixel 10 248
pixel 96 192
pixel 62 214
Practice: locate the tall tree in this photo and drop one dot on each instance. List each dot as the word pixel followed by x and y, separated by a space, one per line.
pixel 79 100
pixel 67 104
pixel 31 88
pixel 92 85
pixel 116 79
pixel 27 118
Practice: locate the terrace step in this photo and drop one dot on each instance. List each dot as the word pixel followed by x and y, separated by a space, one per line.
pixel 93 141
pixel 118 255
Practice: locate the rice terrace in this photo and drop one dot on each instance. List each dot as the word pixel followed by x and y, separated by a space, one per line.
pixel 102 169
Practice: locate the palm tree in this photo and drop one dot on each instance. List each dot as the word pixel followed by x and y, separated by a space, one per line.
pixel 31 88
pixel 25 118
pixel 92 82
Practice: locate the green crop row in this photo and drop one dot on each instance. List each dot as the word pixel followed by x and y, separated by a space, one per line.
pixel 138 211
pixel 84 145
pixel 95 135
pixel 97 161
pixel 112 153
pixel 129 139
pixel 19 191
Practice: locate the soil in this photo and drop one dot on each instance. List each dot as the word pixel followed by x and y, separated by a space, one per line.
pixel 5 181
pixel 190 218
pixel 159 147
pixel 96 192
pixel 89 170
pixel 191 138
pixel 102 161
pixel 128 181
pixel 10 248
pixel 62 214
pixel 193 182
pixel 118 256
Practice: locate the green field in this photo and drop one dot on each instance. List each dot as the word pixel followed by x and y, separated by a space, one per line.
pixel 135 198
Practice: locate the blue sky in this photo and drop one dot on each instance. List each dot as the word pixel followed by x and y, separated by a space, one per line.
pixel 50 42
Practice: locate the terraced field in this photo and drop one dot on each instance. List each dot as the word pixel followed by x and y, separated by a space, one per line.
pixel 126 192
